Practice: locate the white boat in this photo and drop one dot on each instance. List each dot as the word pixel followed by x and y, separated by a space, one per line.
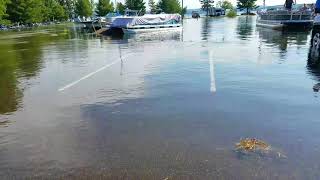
pixel 151 28
pixel 148 23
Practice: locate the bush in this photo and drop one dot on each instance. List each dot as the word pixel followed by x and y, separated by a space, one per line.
pixel 232 13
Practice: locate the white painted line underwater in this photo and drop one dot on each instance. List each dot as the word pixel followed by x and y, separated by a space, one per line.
pixel 93 73
pixel 212 73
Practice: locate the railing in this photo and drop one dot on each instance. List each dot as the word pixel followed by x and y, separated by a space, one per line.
pixel 300 15
pixel 289 16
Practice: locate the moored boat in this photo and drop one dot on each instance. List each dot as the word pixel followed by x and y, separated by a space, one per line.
pixel 285 19
pixel 148 23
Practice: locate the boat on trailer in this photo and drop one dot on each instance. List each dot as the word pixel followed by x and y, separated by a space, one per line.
pixel 285 19
pixel 147 23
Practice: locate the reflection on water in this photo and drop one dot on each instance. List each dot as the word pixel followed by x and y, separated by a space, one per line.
pixel 282 39
pixel 156 36
pixel 10 94
pixel 165 105
pixel 4 123
pixel 206 27
pixel 313 64
pixel 21 58
pixel 245 26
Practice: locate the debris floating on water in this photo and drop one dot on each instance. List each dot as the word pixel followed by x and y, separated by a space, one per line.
pixel 252 144
pixel 255 146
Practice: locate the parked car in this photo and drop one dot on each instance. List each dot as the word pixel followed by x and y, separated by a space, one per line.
pixel 195 14
pixel 219 12
pixel 216 12
pixel 3 27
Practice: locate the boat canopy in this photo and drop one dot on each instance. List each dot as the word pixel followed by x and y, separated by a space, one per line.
pixel 148 19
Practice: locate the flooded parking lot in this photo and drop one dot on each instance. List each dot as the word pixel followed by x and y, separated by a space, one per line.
pixel 158 106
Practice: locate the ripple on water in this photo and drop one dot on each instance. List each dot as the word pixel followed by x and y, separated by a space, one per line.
pixel 5 123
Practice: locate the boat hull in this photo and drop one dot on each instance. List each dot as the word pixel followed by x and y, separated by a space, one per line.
pixel 146 29
pixel 283 25
pixel 271 25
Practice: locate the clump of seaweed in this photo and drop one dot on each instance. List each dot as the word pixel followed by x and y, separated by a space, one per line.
pixel 252 144
pixel 255 146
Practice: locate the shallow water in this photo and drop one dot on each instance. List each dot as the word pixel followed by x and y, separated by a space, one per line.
pixel 157 106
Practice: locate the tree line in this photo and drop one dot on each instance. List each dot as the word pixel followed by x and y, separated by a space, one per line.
pixel 32 11
pixel 103 7
pixel 35 11
pixel 225 4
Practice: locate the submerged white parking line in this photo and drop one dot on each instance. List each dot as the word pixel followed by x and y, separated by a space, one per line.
pixel 212 76
pixel 93 73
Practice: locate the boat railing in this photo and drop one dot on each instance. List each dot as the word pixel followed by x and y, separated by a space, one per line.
pixel 286 15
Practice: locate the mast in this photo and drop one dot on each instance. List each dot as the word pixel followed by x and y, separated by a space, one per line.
pixel 264 3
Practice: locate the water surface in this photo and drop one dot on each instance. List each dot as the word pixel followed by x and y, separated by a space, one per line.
pixel 164 105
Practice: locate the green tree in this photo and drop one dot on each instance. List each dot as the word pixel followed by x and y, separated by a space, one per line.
pixel 69 7
pixel 104 7
pixel 207 5
pixel 225 4
pixel 246 4
pixel 54 11
pixel 170 6
pixel 120 8
pixel 16 10
pixel 26 11
pixel 152 6
pixel 60 13
pixel 84 8
pixel 136 5
pixel 3 10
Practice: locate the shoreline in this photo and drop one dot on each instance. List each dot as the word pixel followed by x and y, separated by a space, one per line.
pixel 4 28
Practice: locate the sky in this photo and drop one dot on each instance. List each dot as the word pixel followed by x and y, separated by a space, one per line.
pixel 192 4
